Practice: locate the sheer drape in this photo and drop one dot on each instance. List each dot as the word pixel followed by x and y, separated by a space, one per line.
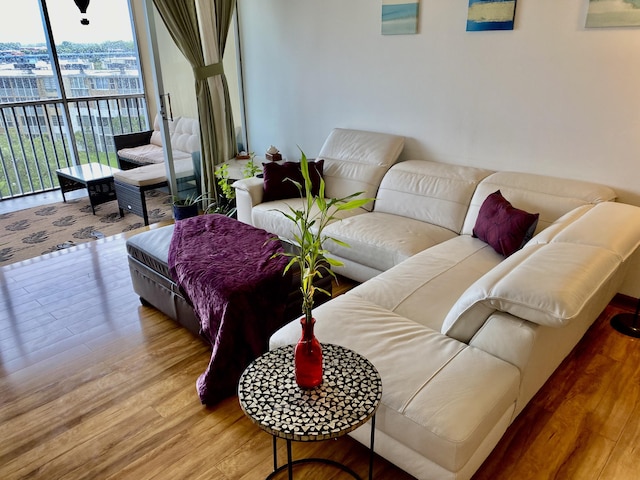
pixel 199 28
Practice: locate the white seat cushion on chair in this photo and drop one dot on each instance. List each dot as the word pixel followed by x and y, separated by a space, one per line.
pixel 153 174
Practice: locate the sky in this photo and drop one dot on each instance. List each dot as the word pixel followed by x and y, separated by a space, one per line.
pixel 108 20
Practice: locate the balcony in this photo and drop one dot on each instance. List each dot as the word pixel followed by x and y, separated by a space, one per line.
pixel 38 137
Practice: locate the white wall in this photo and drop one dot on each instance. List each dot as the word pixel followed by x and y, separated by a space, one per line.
pixel 549 97
pixel 177 74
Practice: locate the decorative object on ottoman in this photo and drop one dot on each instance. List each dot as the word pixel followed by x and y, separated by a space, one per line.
pixel 313 262
pixel 237 290
pixel 273 154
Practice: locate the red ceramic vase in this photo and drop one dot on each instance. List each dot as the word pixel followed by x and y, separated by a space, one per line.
pixel 308 357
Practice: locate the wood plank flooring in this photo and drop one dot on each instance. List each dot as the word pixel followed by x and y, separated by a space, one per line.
pixel 95 386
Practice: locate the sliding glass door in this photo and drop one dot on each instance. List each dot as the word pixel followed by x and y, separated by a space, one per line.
pixel 66 87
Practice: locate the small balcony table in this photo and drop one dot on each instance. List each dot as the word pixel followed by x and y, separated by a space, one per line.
pixel 347 398
pixel 95 177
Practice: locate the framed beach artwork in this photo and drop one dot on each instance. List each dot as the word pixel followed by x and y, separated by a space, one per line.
pixel 399 17
pixel 491 15
pixel 613 13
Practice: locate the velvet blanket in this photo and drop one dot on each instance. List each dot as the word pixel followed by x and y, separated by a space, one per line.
pixel 225 269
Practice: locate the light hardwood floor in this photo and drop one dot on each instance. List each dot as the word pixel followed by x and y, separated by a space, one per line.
pixel 95 386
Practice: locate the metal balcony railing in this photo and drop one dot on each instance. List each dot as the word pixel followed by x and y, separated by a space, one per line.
pixel 38 137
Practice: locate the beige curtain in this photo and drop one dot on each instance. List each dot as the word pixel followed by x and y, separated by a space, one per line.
pixel 199 28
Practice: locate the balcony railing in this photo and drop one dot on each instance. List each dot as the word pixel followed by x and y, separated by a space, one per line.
pixel 37 138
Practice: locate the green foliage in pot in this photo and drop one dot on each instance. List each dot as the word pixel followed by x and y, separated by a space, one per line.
pixel 187 201
pixel 251 169
pixel 225 202
pixel 310 220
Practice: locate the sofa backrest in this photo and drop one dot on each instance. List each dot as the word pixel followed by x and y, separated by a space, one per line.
pixel 356 161
pixel 184 133
pixel 551 197
pixel 432 192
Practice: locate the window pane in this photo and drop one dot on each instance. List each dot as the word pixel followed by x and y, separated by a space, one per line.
pixel 24 56
pixel 98 59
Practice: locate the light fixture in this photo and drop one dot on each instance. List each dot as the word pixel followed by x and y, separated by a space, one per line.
pixel 82 5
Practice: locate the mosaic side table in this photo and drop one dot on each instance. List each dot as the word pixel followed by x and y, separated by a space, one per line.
pixel 348 397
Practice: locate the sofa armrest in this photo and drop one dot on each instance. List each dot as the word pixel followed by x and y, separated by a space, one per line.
pixel 130 140
pixel 249 192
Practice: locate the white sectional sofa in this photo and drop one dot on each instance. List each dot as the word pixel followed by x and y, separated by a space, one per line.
pixel 462 336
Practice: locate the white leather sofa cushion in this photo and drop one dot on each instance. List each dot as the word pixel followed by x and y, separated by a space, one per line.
pixel 270 216
pixel 551 197
pixel 609 225
pixel 440 397
pixel 545 284
pixel 431 192
pixel 356 161
pixel 425 287
pixel 382 248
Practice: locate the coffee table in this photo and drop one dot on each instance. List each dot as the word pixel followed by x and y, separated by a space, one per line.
pixel 95 177
pixel 348 397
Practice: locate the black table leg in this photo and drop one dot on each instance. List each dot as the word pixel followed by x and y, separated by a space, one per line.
pixel 275 455
pixel 371 451
pixel 289 459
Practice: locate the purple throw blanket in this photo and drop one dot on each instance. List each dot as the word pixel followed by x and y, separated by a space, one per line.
pixel 226 270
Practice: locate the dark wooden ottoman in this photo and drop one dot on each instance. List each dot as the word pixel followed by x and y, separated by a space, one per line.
pixel 148 263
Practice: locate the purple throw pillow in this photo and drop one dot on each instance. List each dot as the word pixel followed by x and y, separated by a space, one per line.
pixel 278 176
pixel 503 226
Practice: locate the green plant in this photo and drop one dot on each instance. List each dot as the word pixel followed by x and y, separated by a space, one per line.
pixel 224 203
pixel 310 220
pixel 189 200
pixel 250 169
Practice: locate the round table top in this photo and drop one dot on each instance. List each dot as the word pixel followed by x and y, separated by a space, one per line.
pixel 348 396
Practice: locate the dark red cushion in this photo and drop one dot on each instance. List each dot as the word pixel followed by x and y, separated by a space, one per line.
pixel 503 226
pixel 278 176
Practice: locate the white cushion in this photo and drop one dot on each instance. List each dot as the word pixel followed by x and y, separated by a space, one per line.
pixel 432 192
pixel 545 284
pixel 185 137
pixel 551 197
pixel 435 391
pixel 270 216
pixel 382 248
pixel 143 154
pixel 356 161
pixel 609 225
pixel 153 174
pixel 426 286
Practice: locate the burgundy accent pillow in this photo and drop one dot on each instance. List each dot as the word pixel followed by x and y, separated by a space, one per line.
pixel 503 226
pixel 278 176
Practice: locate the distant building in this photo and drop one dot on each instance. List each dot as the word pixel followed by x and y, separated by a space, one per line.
pixel 33 80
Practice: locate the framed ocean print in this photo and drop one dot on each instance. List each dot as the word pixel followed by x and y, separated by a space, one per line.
pixel 399 17
pixel 613 13
pixel 491 15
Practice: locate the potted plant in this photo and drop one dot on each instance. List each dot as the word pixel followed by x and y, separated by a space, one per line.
pixel 314 262
pixel 185 207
